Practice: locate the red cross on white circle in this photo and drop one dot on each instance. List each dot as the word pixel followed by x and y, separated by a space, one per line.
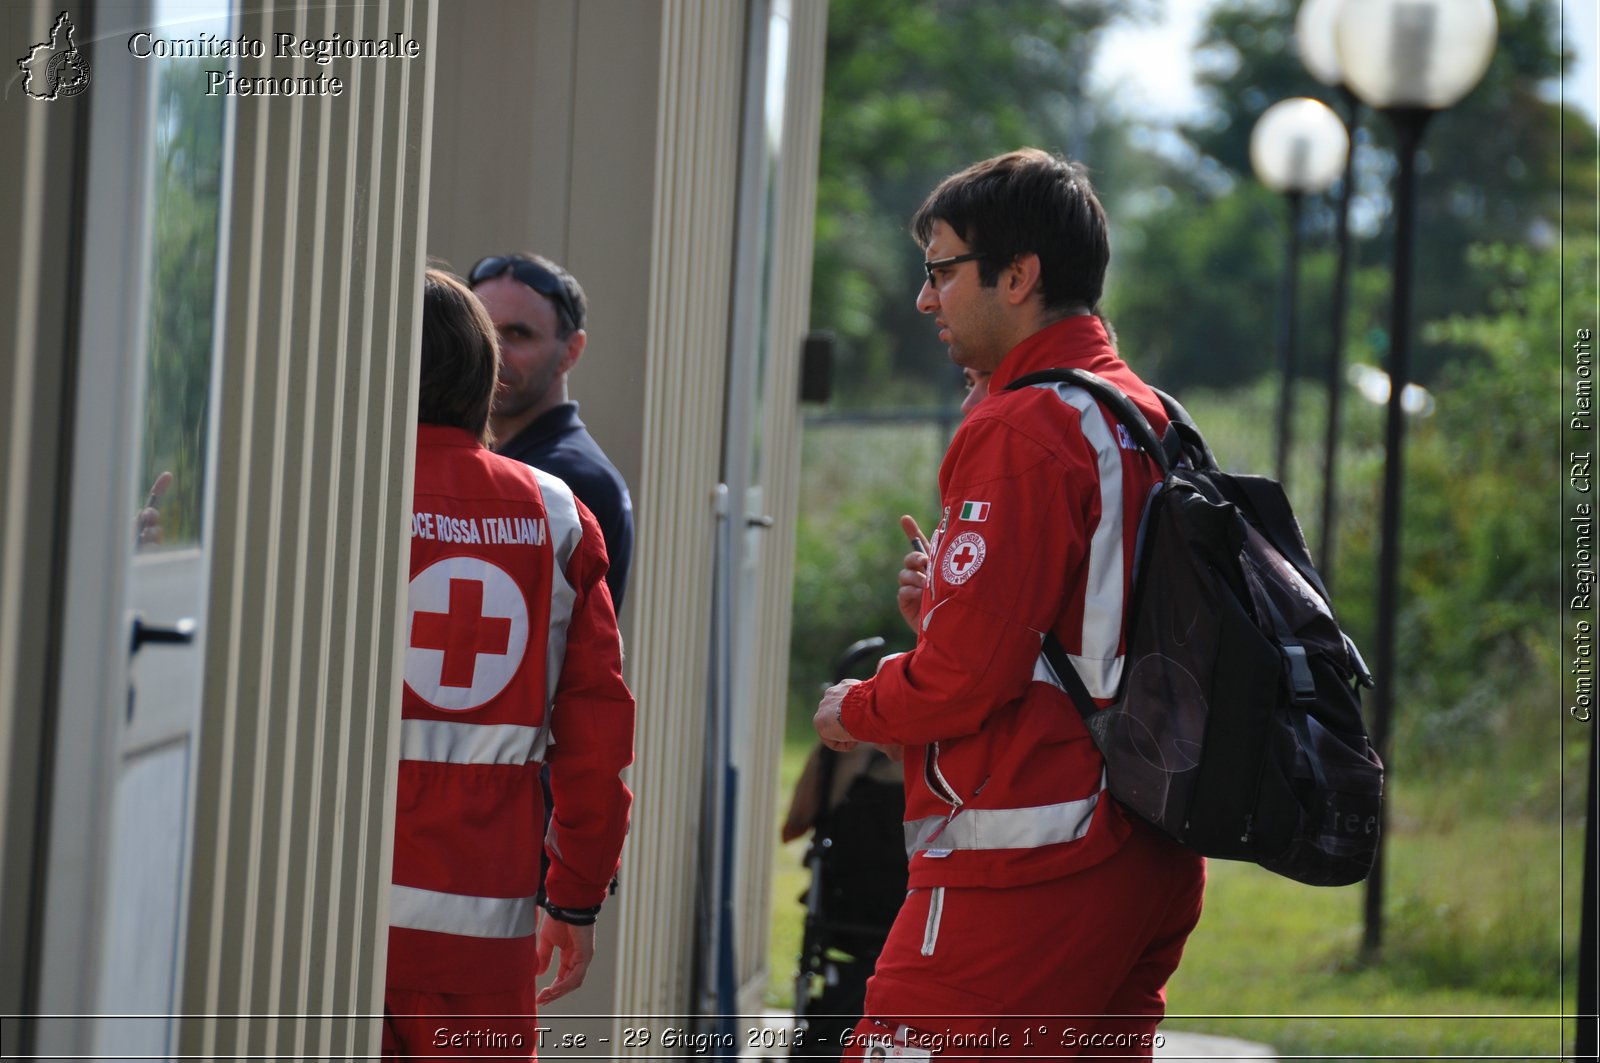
pixel 467 632
pixel 963 557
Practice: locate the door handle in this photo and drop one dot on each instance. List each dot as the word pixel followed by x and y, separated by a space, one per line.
pixel 180 633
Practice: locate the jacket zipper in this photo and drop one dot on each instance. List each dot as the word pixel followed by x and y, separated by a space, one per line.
pixel 936 781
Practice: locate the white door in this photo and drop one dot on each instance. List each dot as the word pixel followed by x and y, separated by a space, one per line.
pixel 122 771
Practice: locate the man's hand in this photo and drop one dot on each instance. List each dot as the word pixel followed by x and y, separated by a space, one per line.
pixel 147 524
pixel 913 574
pixel 577 952
pixel 826 721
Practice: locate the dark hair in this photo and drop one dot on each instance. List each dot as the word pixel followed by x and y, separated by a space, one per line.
pixel 545 277
pixel 1026 202
pixel 460 356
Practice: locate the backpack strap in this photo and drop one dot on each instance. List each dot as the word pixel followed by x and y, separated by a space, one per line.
pixel 1165 452
pixel 1195 447
pixel 1055 655
pixel 1297 665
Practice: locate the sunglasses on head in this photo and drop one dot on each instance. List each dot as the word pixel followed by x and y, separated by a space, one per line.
pixel 531 274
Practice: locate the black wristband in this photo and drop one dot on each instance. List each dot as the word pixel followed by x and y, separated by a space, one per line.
pixel 575 916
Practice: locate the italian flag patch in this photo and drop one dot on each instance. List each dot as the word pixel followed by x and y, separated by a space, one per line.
pixel 976 512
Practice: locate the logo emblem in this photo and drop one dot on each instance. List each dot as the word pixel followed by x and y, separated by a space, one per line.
pixel 55 69
pixel 466 632
pixel 962 557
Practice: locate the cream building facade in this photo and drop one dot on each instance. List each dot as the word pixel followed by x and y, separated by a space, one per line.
pixel 195 834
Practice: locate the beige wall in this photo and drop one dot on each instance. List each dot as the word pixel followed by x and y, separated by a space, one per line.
pixel 605 134
pixel 548 122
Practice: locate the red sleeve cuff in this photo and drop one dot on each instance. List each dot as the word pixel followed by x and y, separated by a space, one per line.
pixel 855 713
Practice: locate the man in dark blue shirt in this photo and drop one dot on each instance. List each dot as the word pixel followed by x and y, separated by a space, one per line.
pixel 539 310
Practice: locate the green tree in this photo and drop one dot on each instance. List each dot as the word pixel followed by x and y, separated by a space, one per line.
pixel 1481 575
pixel 1503 166
pixel 913 92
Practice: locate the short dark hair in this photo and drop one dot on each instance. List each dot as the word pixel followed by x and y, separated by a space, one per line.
pixel 572 310
pixel 1026 202
pixel 460 356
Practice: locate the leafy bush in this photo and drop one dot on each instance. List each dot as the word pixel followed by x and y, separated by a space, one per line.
pixel 1480 565
pixel 856 481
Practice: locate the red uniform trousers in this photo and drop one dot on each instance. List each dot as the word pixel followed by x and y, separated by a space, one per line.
pixel 419 1025
pixel 1076 965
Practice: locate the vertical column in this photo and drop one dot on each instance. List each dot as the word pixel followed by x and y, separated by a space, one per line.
pixel 41 187
pixel 689 256
pixel 606 134
pixel 315 395
pixel 780 475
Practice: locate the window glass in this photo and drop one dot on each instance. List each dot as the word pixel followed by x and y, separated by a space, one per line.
pixel 186 202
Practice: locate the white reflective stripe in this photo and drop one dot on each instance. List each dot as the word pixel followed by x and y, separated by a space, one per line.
pixel 541 740
pixel 446 742
pixel 930 931
pixel 1101 675
pixel 918 831
pixel 1005 828
pixel 1044 673
pixel 1110 672
pixel 454 913
pixel 1099 664
pixel 566 531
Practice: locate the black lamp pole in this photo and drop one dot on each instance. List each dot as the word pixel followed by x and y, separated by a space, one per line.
pixel 1409 123
pixel 1341 289
pixel 1291 269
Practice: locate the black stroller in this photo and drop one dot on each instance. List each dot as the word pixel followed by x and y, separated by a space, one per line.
pixel 857 859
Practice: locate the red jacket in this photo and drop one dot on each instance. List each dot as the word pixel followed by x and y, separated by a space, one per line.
pixel 512 658
pixel 1042 496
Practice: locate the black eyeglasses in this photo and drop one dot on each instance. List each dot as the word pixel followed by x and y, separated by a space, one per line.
pixel 534 276
pixel 953 260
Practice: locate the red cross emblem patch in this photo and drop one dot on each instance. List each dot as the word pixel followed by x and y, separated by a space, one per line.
pixel 962 557
pixel 467 628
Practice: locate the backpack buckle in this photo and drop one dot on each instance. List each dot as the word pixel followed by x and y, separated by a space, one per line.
pixel 1300 678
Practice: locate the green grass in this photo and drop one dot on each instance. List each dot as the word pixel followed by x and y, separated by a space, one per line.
pixel 789 876
pixel 1474 943
pixel 1470 965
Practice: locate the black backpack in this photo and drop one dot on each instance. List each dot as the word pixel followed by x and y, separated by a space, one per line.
pixel 1237 725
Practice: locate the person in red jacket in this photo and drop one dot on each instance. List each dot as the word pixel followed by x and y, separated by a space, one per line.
pixel 1041 919
pixel 512 660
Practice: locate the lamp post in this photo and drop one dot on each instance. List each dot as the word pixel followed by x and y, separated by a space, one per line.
pixel 1298 146
pixel 1314 27
pixel 1408 59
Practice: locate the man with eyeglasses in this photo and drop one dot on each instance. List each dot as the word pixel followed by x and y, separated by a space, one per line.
pixel 1041 919
pixel 540 310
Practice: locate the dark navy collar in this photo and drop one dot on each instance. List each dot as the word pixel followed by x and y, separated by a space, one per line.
pixel 551 424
